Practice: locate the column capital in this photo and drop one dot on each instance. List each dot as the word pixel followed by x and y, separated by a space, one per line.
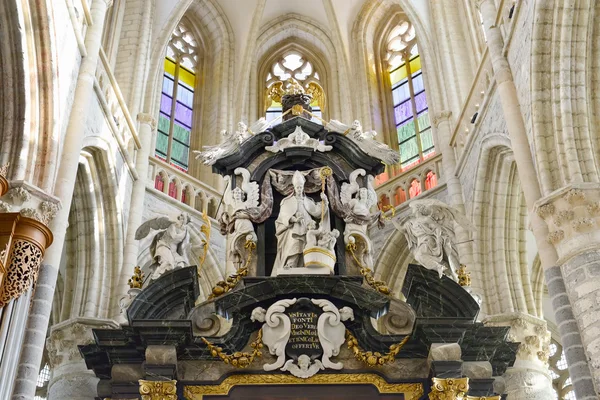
pixel 150 390
pixel 441 117
pixel 449 389
pixel 145 118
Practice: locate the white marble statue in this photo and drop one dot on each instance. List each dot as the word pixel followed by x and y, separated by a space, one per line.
pixel 170 244
pixel 429 232
pixel 296 211
pixel 358 202
pixel 305 367
pixel 331 330
pixel 365 140
pixel 276 330
pixel 243 197
pixel 321 237
pixel 298 138
pixel 230 142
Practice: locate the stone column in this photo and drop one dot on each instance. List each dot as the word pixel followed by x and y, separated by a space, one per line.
pixel 71 378
pixel 37 324
pixel 529 377
pixel 578 365
pixel 138 192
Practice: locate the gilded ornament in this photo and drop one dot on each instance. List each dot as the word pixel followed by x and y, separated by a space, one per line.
pixel 158 390
pixel 374 358
pixel 449 389
pixel 238 359
pixel 137 279
pixel 411 391
pixel 231 282
pixel 464 277
pixel 297 109
pixel 378 285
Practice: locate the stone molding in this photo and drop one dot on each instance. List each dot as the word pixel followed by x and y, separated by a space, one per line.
pixel 30 201
pixel 144 118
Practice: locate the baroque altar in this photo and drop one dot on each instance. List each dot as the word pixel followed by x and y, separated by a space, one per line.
pixel 301 311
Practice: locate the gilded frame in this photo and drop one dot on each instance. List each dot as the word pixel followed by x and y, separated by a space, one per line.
pixel 411 391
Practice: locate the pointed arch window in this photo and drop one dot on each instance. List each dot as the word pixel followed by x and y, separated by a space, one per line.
pixel 177 99
pixel 297 66
pixel 411 111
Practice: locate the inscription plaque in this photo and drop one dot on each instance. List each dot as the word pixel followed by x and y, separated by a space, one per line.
pixel 304 337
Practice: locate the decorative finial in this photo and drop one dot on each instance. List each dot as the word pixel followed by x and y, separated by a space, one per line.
pixel 464 277
pixel 137 279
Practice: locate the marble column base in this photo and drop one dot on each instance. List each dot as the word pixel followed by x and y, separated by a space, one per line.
pixel 522 383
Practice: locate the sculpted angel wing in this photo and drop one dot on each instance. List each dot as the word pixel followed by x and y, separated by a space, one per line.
pixel 274 93
pixel 349 189
pixel 372 194
pixel 444 213
pixel 317 93
pixel 155 223
pixel 260 126
pixel 337 126
pixel 249 187
pixel 227 196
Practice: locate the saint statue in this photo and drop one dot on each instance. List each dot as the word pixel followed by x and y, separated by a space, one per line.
pixel 295 213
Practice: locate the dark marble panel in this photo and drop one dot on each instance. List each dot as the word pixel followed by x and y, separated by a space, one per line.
pixel 481 387
pixel 160 372
pixel 446 369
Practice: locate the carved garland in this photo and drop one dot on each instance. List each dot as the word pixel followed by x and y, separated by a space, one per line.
pixel 231 282
pixel 238 359
pixel 373 359
pixel 380 286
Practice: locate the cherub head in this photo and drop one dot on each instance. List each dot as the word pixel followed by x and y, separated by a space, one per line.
pixel 304 362
pixel 312 225
pixel 356 125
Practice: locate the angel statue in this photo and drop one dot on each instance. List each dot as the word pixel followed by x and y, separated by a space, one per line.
pixel 230 142
pixel 169 246
pixel 365 140
pixel 243 197
pixel 429 232
pixel 354 207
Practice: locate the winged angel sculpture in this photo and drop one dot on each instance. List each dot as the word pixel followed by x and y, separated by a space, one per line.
pixel 429 232
pixel 170 245
pixel 230 142
pixel 365 140
pixel 354 206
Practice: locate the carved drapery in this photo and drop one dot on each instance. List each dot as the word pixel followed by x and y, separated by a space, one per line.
pixel 23 242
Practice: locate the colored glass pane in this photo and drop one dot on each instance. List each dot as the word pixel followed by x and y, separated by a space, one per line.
pixel 426 140
pixel 185 96
pixel 406 131
pixel 403 112
pixel 415 65
pixel 401 93
pixel 415 188
pixel 167 86
pixel 163 124
pixel 398 74
pixel 418 85
pixel 165 104
pixel 172 190
pixel 162 143
pixel 170 67
pixel 179 153
pixel 183 114
pixel 181 134
pixel 409 150
pixel 421 102
pixel 430 180
pixel 187 77
pixel 423 121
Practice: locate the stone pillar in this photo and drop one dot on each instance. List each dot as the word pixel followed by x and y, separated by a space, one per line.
pixel 578 365
pixel 37 324
pixel 529 377
pixel 71 378
pixel 138 192
pixel 160 369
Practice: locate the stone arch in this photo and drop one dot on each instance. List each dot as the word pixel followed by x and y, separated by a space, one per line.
pixel 499 215
pixel 565 60
pixel 392 262
pixel 28 95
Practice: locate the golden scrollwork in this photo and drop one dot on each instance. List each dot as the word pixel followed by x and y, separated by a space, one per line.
pixel 464 277
pixel 238 359
pixel 374 358
pixel 158 390
pixel 378 285
pixel 137 279
pixel 411 391
pixel 449 389
pixel 227 285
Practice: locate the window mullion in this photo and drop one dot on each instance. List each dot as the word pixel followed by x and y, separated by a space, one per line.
pixel 413 103
pixel 173 105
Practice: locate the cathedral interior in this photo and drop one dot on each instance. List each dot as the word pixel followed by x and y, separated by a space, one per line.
pixel 317 199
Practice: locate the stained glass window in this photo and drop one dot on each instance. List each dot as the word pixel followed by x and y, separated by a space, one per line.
pixel 561 382
pixel 177 99
pixel 292 65
pixel 411 111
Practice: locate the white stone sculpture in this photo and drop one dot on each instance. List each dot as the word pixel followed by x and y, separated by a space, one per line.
pixel 230 142
pixel 319 251
pixel 332 332
pixel 358 203
pixel 243 197
pixel 169 246
pixel 296 211
pixel 429 232
pixel 298 138
pixel 365 140
pixel 276 330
